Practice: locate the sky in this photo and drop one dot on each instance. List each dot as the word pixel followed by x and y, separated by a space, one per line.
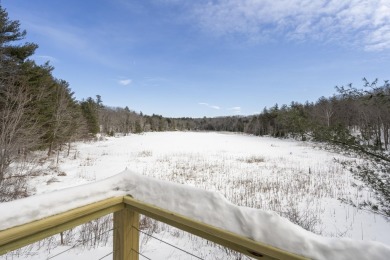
pixel 211 58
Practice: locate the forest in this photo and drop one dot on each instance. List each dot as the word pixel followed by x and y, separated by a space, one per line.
pixel 40 112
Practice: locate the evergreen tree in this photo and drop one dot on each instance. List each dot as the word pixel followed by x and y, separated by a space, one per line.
pixel 16 128
pixel 36 110
pixel 9 33
pixel 89 110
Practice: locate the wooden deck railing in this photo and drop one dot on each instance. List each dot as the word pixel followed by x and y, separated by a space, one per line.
pixel 126 224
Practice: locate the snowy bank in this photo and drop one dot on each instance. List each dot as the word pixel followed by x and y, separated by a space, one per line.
pixel 208 207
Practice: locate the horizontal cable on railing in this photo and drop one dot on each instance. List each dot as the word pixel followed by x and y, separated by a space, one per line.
pixel 78 243
pixel 106 255
pixel 141 254
pixel 189 253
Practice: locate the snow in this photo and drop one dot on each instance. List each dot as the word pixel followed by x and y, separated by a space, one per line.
pixel 206 206
pixel 262 173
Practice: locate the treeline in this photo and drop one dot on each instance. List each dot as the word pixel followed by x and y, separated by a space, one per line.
pixel 353 116
pixel 357 118
pixel 37 110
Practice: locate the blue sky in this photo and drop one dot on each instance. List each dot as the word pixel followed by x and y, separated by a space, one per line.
pixel 208 58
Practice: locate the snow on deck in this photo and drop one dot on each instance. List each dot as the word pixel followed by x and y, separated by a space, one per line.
pixel 206 206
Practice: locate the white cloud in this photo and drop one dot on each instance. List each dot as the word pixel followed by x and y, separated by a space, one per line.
pixel 67 37
pixel 125 82
pixel 363 23
pixel 89 43
pixel 208 105
pixel 235 110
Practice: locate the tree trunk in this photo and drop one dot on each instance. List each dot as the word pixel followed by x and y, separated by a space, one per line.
pixel 386 135
pixel 58 157
pixel 50 149
pixel 379 135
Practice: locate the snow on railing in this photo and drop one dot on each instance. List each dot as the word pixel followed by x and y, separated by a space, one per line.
pixel 126 229
pixel 207 214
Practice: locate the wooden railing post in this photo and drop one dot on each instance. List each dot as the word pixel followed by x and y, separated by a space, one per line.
pixel 126 235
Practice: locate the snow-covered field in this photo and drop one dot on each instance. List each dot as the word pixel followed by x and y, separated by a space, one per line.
pixel 297 180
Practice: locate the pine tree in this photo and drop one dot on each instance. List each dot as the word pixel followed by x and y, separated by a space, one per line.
pixel 15 126
pixel 89 110
pixel 10 32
